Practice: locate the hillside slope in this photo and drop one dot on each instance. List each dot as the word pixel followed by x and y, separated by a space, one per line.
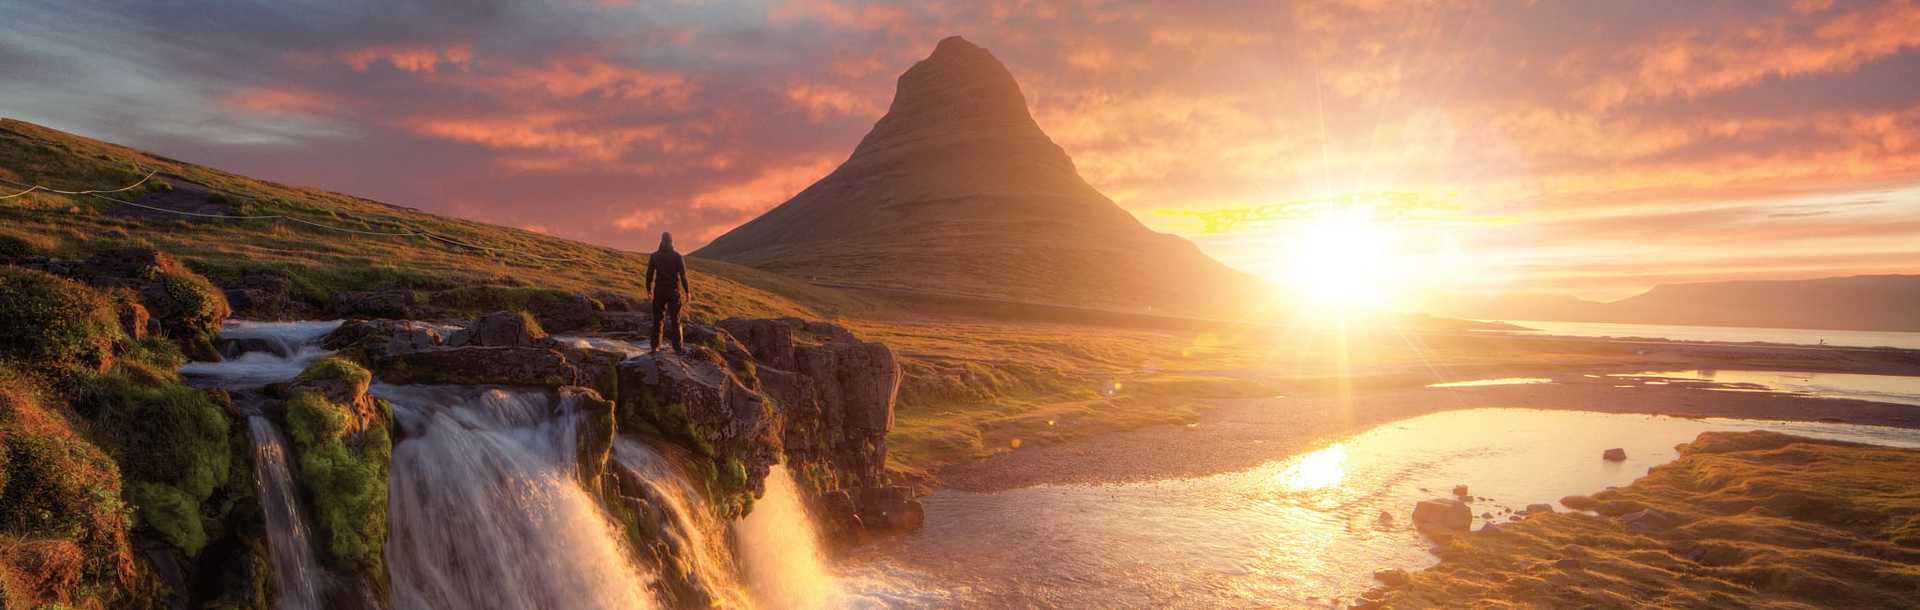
pixel 1861 302
pixel 280 232
pixel 957 191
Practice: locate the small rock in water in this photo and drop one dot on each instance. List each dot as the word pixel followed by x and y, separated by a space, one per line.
pixel 1540 507
pixel 1442 513
pixel 1385 518
pixel 1615 454
pixel 1460 490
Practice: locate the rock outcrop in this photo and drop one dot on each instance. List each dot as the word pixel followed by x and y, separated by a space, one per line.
pixel 178 303
pixel 1442 514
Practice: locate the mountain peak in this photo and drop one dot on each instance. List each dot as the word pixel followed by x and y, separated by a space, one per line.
pixel 961 87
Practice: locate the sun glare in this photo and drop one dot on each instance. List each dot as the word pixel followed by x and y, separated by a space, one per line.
pixel 1344 261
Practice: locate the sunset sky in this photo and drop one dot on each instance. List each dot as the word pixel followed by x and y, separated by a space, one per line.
pixel 1593 148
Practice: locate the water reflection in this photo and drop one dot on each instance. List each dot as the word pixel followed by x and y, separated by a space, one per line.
pixel 1488 382
pixel 1897 389
pixel 1306 531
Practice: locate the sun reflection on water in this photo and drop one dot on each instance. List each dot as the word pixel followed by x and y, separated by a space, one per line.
pixel 1318 470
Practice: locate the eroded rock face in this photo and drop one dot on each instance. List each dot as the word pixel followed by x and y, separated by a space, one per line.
pixel 771 341
pixel 696 401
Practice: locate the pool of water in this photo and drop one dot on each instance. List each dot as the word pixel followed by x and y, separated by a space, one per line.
pixel 1731 334
pixel 1897 389
pixel 1303 532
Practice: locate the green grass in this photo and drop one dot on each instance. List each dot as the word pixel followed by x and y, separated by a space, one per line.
pixel 53 324
pixel 1760 520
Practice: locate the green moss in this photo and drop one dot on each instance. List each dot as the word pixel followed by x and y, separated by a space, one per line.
pixel 172 446
pixel 54 324
pixel 346 486
pixel 337 368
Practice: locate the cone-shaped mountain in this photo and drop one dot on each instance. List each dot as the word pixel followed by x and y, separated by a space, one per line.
pixel 956 190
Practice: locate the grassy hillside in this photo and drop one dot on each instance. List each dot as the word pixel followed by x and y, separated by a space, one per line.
pixel 442 253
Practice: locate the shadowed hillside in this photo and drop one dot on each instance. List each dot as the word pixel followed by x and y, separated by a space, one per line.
pixel 957 191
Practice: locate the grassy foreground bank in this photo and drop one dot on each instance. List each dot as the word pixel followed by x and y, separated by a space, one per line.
pixel 1753 520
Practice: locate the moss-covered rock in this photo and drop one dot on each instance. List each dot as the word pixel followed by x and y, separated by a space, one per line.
pixel 344 474
pixel 698 402
pixel 173 445
pixel 51 324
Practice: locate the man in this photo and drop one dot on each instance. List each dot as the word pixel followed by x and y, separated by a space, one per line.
pixel 667 281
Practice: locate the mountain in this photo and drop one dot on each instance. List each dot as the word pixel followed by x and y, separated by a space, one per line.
pixel 1861 302
pixel 957 191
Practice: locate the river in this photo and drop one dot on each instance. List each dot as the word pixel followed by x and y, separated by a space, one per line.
pixel 1729 334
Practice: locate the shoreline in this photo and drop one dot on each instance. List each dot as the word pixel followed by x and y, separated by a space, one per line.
pixel 1236 434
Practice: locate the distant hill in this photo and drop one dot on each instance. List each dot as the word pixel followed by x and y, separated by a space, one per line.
pixel 957 191
pixel 1861 302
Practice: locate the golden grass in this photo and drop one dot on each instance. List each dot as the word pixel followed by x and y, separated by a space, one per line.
pixel 1760 520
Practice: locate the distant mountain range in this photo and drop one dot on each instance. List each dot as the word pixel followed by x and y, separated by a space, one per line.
pixel 1861 302
pixel 957 191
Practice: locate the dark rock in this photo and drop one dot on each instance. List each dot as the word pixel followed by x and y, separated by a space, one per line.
pixel 891 509
pixel 771 341
pixel 594 432
pixel 839 515
pixel 376 339
pixel 1646 520
pixel 479 365
pixel 697 401
pixel 1442 514
pixel 579 312
pixel 861 380
pixel 1541 507
pixel 1614 455
pixel 507 329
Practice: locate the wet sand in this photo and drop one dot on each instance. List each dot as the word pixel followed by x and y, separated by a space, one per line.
pixel 1240 434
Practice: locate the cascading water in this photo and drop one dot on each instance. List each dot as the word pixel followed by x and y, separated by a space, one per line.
pixel 295 570
pixel 279 351
pixel 694 539
pixel 485 510
pixel 780 550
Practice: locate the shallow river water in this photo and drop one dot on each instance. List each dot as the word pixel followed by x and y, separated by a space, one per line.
pixel 1305 531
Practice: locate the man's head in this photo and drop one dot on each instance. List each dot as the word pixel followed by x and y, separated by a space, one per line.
pixel 666 240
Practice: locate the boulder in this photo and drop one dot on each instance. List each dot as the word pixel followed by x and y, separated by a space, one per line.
pixel 697 401
pixel 858 381
pixel 480 365
pixel 771 341
pixel 1614 455
pixel 890 509
pixel 1460 490
pixel 1392 577
pixel 1646 520
pixel 1442 514
pixel 577 312
pixel 1540 507
pixel 376 339
pixel 507 329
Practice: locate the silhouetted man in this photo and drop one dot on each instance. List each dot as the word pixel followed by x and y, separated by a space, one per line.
pixel 667 281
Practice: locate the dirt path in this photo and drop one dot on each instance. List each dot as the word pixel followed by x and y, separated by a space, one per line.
pixel 1240 434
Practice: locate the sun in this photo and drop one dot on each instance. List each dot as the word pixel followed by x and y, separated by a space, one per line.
pixel 1344 260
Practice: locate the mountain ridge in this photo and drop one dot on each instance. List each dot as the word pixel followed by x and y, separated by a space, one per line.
pixel 1883 302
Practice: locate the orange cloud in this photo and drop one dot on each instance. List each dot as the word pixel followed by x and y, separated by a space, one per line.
pixel 1695 62
pixel 279 100
pixel 864 17
pixel 767 189
pixel 574 135
pixel 822 101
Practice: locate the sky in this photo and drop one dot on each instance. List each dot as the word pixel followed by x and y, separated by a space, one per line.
pixel 1587 148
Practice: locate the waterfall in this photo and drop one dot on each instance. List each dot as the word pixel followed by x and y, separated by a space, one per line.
pixel 485 511
pixel 296 570
pixel 780 550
